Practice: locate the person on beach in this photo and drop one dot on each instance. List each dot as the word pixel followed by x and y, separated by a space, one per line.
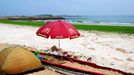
pixel 55 51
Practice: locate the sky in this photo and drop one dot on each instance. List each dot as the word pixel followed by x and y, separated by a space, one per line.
pixel 66 7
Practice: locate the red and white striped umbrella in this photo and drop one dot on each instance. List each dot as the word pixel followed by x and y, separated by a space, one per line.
pixel 58 30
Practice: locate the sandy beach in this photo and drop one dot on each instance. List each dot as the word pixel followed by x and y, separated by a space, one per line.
pixel 106 49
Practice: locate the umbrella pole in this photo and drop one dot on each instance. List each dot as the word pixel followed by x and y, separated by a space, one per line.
pixel 59 43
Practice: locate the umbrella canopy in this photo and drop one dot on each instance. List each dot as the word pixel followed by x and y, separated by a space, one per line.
pixel 14 60
pixel 58 30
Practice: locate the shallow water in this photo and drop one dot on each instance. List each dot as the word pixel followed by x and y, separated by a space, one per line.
pixel 113 20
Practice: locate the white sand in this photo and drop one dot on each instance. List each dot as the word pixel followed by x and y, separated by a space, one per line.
pixel 107 49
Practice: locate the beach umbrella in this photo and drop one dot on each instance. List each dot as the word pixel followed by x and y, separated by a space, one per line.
pixel 16 60
pixel 58 30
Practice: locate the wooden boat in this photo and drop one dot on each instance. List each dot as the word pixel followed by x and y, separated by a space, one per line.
pixel 79 65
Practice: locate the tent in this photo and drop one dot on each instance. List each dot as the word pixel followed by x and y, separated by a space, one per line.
pixel 16 59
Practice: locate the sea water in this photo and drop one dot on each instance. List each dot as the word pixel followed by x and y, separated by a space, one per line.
pixel 101 20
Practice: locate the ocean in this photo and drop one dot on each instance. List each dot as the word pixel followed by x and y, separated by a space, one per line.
pixel 101 20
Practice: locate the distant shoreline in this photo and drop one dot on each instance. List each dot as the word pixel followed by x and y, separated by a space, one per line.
pixel 107 24
pixel 31 18
pixel 87 27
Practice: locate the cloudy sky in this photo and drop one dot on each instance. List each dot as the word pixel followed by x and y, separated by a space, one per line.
pixel 66 7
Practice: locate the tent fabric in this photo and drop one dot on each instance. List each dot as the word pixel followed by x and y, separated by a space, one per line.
pixel 14 60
